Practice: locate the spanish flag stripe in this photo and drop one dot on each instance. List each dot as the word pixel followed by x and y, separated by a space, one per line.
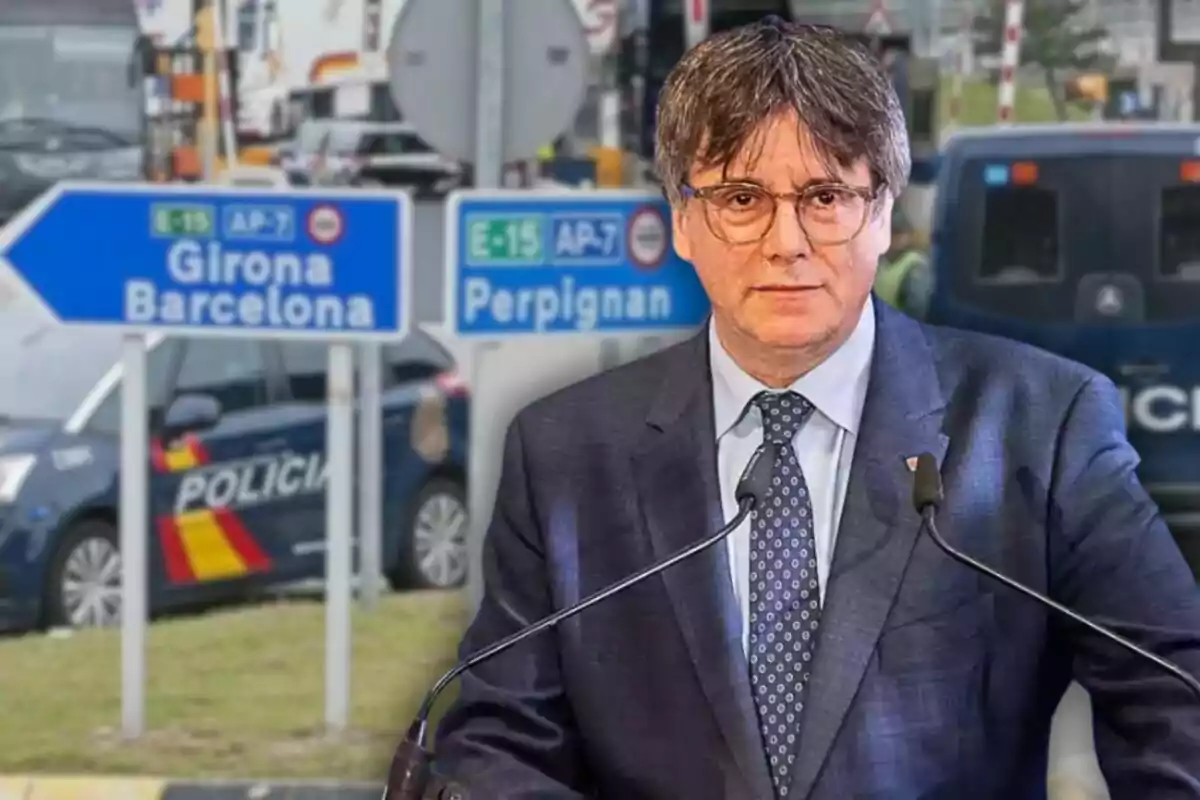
pixel 179 570
pixel 241 540
pixel 198 450
pixel 179 459
pixel 157 457
pixel 208 549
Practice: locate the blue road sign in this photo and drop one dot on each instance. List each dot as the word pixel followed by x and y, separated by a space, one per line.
pixel 536 262
pixel 218 259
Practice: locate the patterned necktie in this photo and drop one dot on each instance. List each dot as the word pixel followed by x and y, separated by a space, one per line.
pixel 784 600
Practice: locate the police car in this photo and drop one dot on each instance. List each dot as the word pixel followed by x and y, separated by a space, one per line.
pixel 1085 240
pixel 238 468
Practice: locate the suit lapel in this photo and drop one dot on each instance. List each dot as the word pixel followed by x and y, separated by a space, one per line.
pixel 676 474
pixel 878 529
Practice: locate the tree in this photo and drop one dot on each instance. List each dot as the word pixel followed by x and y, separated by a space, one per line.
pixel 1055 38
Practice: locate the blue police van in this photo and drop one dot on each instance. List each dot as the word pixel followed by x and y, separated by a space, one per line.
pixel 237 468
pixel 1085 240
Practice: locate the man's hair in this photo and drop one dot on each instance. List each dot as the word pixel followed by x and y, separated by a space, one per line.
pixel 722 91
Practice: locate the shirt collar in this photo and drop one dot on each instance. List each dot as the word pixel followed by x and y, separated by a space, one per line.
pixel 837 387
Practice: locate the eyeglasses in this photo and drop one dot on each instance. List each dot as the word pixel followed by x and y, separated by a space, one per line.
pixel 743 213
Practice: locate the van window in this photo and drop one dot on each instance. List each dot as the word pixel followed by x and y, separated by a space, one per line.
pixel 160 372
pixel 383 108
pixel 1089 221
pixel 306 365
pixel 1020 236
pixel 417 357
pixel 232 371
pixel 321 104
pixel 394 144
pixel 1179 234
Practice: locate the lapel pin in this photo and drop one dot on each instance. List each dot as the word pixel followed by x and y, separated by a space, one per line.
pixel 911 463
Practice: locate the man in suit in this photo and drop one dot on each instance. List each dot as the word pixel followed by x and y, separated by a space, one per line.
pixel 829 652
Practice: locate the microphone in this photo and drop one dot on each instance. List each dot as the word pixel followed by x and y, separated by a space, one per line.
pixel 927 499
pixel 408 777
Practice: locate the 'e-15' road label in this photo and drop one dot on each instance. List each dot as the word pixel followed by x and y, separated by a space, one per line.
pixel 532 240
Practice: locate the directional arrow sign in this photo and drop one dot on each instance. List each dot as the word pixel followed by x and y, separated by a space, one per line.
pixel 211 260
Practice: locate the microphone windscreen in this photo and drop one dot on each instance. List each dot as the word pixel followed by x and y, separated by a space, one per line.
pixel 756 477
pixel 927 483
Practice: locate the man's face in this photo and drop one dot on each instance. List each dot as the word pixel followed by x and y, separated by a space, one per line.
pixel 784 292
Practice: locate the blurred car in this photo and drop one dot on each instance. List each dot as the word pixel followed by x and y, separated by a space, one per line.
pixel 367 153
pixel 237 475
pixel 70 108
pixel 35 154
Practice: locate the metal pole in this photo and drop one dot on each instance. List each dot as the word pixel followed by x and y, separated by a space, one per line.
pixel 370 473
pixel 962 46
pixel 489 169
pixel 933 46
pixel 1195 88
pixel 370 417
pixel 610 139
pixel 610 96
pixel 134 533
pixel 224 88
pixel 339 510
pixel 478 471
pixel 489 103
pixel 1010 60
pixel 695 23
pixel 210 118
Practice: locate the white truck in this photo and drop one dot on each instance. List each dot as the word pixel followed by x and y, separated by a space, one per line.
pixel 280 47
pixel 324 59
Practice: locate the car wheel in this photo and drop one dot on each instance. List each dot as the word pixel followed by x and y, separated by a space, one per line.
pixel 436 557
pixel 83 587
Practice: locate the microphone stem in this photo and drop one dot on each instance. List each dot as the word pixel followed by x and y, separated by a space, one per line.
pixel 419 731
pixel 929 523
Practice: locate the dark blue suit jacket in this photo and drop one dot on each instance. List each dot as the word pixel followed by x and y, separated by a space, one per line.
pixel 930 681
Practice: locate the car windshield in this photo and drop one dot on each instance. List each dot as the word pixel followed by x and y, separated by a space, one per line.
pixel 47 369
pixel 68 84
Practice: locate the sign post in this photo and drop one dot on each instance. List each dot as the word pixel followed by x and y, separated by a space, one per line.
pixel 462 72
pixel 339 519
pixel 221 261
pixel 370 473
pixel 370 410
pixel 133 532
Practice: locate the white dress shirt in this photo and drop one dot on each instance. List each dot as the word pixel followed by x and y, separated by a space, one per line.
pixel 837 388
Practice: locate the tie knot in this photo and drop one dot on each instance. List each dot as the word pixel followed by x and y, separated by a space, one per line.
pixel 783 413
